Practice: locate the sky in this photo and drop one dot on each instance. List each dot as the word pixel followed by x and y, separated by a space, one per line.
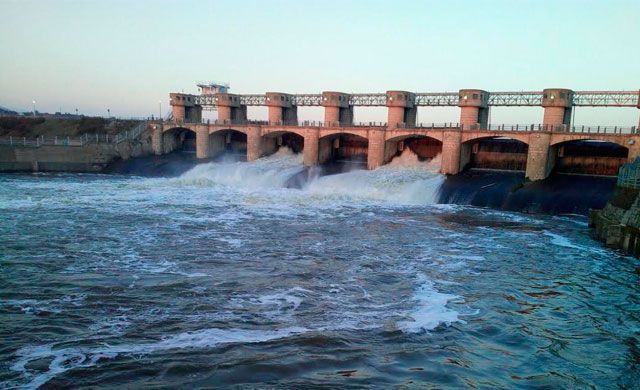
pixel 126 56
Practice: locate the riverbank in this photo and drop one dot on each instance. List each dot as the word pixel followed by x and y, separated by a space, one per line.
pixel 65 145
pixel 94 157
pixel 618 223
pixel 32 127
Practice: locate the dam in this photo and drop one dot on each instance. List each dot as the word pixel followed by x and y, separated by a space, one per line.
pixel 370 267
pixel 536 149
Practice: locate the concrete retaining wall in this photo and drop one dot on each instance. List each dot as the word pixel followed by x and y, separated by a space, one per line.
pixel 618 224
pixel 61 158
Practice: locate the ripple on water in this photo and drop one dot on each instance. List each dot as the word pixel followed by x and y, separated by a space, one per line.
pixel 223 276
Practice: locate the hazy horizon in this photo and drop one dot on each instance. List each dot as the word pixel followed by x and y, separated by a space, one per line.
pixel 127 57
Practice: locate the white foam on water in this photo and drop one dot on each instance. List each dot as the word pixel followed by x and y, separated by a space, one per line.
pixel 234 242
pixel 431 309
pixel 576 219
pixel 65 359
pixel 266 173
pixel 288 300
pixel 559 240
pixel 405 180
pixel 468 257
pixel 55 305
pixel 564 242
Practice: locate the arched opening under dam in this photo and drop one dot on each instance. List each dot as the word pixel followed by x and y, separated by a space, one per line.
pixel 343 148
pixel 496 153
pixel 424 147
pixel 179 139
pixel 590 157
pixel 228 142
pixel 274 141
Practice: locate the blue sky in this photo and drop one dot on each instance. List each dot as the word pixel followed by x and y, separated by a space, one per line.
pixel 127 55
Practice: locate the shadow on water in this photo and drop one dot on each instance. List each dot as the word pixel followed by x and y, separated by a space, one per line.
pixel 558 194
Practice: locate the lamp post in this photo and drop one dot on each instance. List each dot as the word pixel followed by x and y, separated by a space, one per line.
pixel 160 110
pixel 108 113
pixel 34 108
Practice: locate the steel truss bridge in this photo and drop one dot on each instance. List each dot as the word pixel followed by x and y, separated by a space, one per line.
pixel 450 99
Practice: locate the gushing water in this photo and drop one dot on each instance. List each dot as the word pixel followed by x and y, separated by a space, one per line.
pixel 405 180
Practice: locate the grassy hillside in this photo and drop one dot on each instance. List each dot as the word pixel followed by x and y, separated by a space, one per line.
pixel 49 127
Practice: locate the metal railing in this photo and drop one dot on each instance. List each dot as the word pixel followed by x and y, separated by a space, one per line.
pixel 555 128
pixel 84 139
pixel 450 99
pixel 607 98
pixel 237 122
pixel 629 174
pixel 593 129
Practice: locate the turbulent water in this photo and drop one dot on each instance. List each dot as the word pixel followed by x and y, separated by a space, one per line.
pixel 225 277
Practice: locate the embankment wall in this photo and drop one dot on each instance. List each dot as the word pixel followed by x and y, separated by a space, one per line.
pixel 64 158
pixel 618 223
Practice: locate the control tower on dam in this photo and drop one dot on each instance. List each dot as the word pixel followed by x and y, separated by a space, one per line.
pixel 469 140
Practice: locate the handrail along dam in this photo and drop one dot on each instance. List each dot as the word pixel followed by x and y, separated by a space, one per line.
pixel 535 149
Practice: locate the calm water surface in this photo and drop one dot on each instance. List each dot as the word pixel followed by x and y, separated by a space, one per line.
pixel 223 277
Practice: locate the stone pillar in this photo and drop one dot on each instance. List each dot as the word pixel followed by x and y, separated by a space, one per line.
pixel 451 145
pixel 281 108
pixel 634 148
pixel 275 115
pixel 202 141
pixel 557 105
pixel 402 110
pixel 325 149
pixel 638 128
pixel 375 152
pixel 311 141
pixel 540 160
pixel 474 108
pixel 156 139
pixel 230 110
pixel 184 108
pixel 254 143
pixel 178 112
pixel 224 114
pixel 331 116
pixel 180 105
pixel 336 108
pixel 193 114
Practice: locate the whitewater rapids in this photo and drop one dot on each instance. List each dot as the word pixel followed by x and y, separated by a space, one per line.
pixel 404 181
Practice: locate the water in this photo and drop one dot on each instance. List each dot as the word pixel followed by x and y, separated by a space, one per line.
pixel 224 277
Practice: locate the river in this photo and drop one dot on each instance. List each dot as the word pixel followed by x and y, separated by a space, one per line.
pixel 223 276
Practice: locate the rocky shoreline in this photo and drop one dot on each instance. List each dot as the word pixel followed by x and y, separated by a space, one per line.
pixel 618 223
